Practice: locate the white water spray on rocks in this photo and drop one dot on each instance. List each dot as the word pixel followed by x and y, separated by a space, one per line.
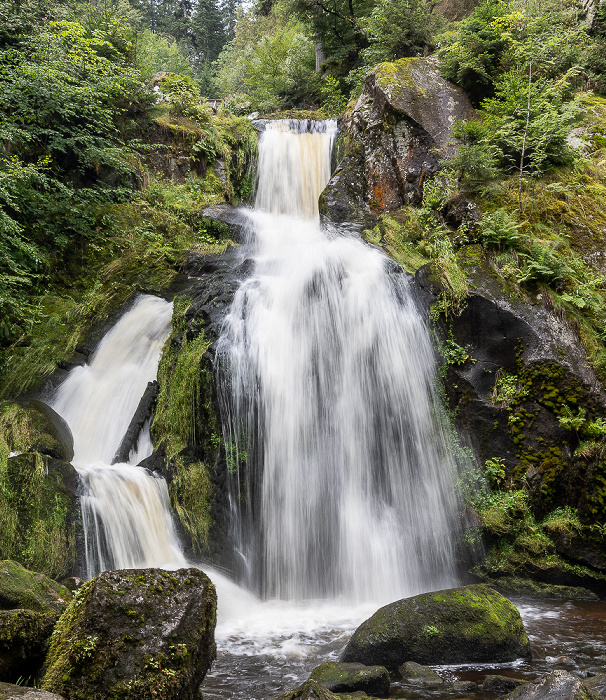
pixel 125 509
pixel 342 468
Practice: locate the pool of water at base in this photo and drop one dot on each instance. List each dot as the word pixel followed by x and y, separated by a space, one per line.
pixel 272 647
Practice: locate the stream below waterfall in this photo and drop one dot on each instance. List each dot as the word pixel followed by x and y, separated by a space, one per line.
pixel 274 648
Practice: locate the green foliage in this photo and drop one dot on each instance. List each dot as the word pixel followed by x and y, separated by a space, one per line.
pixel 455 354
pixel 184 99
pixel 271 59
pixel 495 471
pixel 499 229
pixel 471 55
pixel 333 100
pixel 397 29
pixel 155 53
pixel 507 389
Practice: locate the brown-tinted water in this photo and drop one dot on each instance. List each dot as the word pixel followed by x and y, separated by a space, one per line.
pixel 274 648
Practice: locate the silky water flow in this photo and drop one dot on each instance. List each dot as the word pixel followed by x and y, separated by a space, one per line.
pixel 126 513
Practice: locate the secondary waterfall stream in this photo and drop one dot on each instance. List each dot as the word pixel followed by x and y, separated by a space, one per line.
pixel 125 510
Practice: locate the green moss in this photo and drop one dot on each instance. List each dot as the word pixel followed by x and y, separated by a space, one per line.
pixel 36 522
pixel 179 376
pixel 20 588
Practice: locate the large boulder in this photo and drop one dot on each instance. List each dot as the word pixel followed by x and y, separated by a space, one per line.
pixel 349 678
pixel 135 634
pixel 470 624
pixel 559 685
pixel 20 588
pixel 397 134
pixel 24 638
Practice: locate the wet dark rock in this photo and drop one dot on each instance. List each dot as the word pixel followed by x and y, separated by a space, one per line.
pixel 417 674
pixel 510 585
pixel 312 690
pixel 522 337
pixel 559 685
pixel 136 633
pixel 143 413
pixel 597 685
pixel 8 691
pixel 501 684
pixel 20 588
pixel 24 638
pixel 459 625
pixel 398 133
pixel 349 678
pixel 464 686
pixel 235 219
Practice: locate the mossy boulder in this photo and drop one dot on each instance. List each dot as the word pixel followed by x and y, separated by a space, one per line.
pixel 133 634
pixel 312 690
pixel 349 678
pixel 20 588
pixel 8 691
pixel 33 426
pixel 24 638
pixel 501 684
pixel 397 134
pixel 559 685
pixel 38 512
pixel 469 624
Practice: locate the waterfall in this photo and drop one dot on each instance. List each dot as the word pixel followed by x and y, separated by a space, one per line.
pixel 326 376
pixel 125 509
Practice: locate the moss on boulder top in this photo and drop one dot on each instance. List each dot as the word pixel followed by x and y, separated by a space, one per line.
pixel 458 625
pixel 312 690
pixel 134 634
pixel 414 87
pixel 349 678
pixel 20 588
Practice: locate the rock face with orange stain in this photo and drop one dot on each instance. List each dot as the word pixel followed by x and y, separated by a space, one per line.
pixel 398 133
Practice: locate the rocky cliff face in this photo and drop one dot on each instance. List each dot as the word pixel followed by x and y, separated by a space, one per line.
pixel 397 135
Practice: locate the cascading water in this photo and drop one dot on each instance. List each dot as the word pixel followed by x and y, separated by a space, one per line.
pixel 327 372
pixel 125 510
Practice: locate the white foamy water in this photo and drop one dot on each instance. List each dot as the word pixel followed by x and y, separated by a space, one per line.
pixel 346 488
pixel 125 510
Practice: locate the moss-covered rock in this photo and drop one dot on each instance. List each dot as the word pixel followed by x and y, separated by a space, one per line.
pixel 24 637
pixel 349 678
pixel 312 690
pixel 20 588
pixel 396 135
pixel 559 685
pixel 135 634
pixel 33 426
pixel 512 585
pixel 38 511
pixel 417 674
pixel 8 691
pixel 458 625
pixel 501 684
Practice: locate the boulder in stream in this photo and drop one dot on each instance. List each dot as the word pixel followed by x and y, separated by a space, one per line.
pixel 348 678
pixel 133 634
pixel 417 674
pixel 469 624
pixel 559 685
pixel 312 690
